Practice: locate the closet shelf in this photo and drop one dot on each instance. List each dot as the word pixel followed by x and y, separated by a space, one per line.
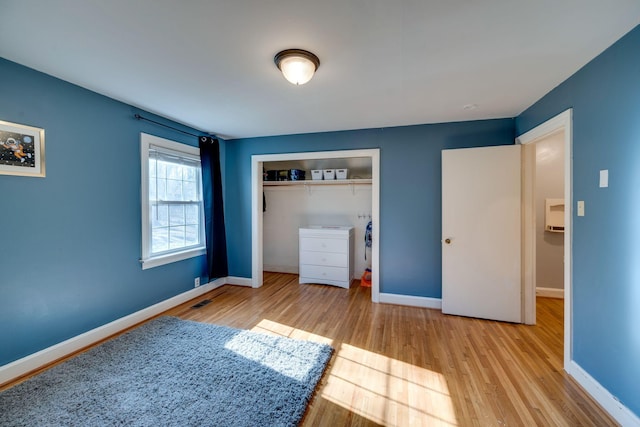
pixel 317 182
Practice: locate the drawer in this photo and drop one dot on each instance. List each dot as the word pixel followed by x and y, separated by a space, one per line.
pixel 324 245
pixel 324 273
pixel 324 258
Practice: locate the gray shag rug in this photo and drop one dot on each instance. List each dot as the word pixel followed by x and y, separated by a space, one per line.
pixel 172 372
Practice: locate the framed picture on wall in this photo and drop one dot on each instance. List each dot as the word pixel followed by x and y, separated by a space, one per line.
pixel 21 150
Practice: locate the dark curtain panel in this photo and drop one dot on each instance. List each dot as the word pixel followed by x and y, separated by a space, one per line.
pixel 213 208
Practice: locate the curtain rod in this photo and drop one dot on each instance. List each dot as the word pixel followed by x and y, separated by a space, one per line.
pixel 139 117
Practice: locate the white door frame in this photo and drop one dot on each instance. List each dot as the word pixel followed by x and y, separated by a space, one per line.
pixel 257 263
pixel 561 122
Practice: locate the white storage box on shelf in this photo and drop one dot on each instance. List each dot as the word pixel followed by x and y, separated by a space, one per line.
pixel 326 255
pixel 316 175
pixel 341 173
pixel 329 174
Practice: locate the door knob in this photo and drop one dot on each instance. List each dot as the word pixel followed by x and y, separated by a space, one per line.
pixel 447 241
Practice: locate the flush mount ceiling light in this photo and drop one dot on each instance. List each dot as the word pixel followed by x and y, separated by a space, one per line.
pixel 297 65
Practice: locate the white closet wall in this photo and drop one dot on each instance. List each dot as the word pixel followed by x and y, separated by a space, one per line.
pixel 295 206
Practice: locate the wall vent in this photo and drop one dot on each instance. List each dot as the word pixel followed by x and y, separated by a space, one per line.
pixel 201 303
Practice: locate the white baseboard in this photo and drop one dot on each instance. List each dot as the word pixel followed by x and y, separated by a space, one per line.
pixel 613 406
pixel 411 301
pixel 238 281
pixel 34 361
pixel 281 268
pixel 550 292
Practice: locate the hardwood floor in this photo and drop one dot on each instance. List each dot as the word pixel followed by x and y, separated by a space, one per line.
pixel 405 366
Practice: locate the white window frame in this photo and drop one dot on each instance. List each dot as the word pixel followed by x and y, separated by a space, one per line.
pixel 148 260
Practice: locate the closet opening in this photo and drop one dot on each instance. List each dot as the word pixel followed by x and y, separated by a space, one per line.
pixel 291 204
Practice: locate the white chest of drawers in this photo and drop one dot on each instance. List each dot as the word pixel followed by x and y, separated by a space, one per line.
pixel 326 255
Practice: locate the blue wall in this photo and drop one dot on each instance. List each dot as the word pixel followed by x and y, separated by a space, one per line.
pixel 410 193
pixel 70 242
pixel 605 97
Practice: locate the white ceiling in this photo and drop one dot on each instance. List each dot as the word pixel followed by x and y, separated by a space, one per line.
pixel 209 63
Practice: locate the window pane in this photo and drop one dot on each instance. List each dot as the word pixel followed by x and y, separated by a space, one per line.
pixel 161 191
pixel 192 235
pixel 159 216
pixel 161 170
pixel 152 167
pixel 190 173
pixel 185 172
pixel 152 189
pixel 192 214
pixel 176 215
pixel 190 190
pixel 174 171
pixel 174 190
pixel 160 240
pixel 176 237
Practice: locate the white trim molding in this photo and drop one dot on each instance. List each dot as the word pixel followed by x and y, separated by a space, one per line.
pixel 550 292
pixel 561 122
pixel 411 301
pixel 609 402
pixel 149 144
pixel 238 281
pixel 282 268
pixel 35 361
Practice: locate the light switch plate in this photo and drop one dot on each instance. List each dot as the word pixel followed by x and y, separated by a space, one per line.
pixel 580 207
pixel 604 178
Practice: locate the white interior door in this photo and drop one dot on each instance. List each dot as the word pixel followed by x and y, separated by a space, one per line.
pixel 481 233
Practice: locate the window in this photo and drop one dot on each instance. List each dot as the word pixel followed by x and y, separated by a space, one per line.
pixel 172 208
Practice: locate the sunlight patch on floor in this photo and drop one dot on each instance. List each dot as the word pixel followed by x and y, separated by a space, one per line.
pixel 388 391
pixel 280 355
pixel 269 327
pixel 382 389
